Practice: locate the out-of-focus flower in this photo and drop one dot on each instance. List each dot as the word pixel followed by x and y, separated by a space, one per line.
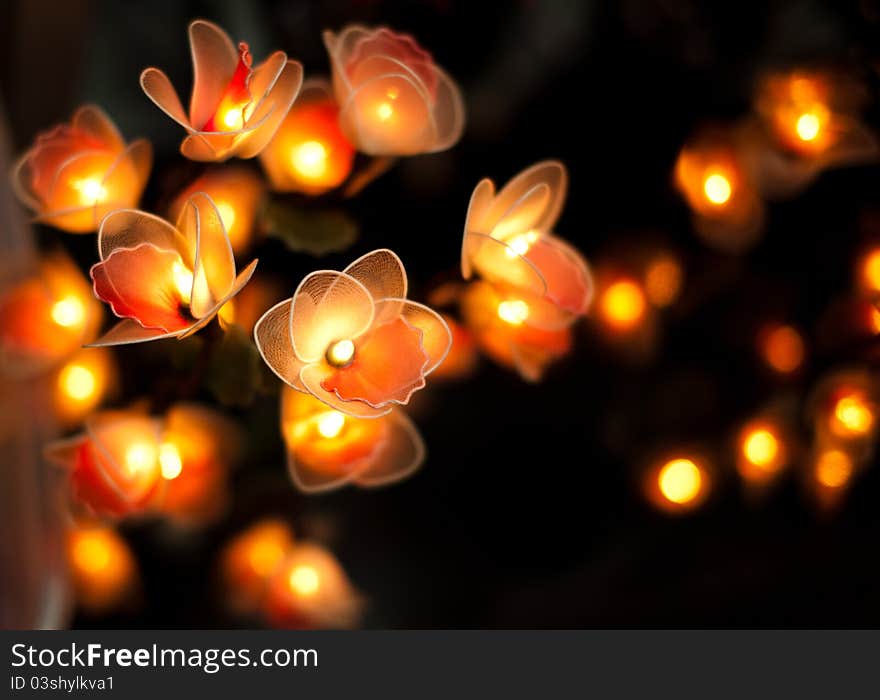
pixel 463 356
pixel 327 449
pixel 334 338
pixel 165 281
pixel 249 560
pixel 309 590
pixel 45 317
pixel 234 109
pixel 394 100
pixel 495 316
pixel 76 173
pixel 102 567
pixel 678 485
pixel 714 173
pixel 309 153
pixel 237 192
pixel 814 118
pixel 508 241
pixel 82 382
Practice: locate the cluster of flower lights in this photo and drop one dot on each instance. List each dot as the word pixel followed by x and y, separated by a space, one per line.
pixel 525 290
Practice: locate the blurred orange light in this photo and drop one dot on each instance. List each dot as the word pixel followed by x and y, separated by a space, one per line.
pixel 170 460
pixel 808 126
pixel 102 567
pixel 852 416
pixel 304 580
pixel 717 188
pixel 833 469
pixel 680 481
pixel 68 312
pixel 78 382
pixel 139 457
pixel 309 159
pixel 761 447
pixel 783 349
pixel 663 280
pixel 623 304
pixel 514 311
pixel 330 424
pixel 871 270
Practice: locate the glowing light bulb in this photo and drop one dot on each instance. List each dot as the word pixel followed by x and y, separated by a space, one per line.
pixel 233 118
pixel 513 311
pixel 808 126
pixel 91 189
pixel 680 481
pixel 68 312
pixel 169 460
pixel 183 280
pixel 330 424
pixel 340 353
pixel 833 468
pixel 520 244
pixel 384 111
pixel 78 382
pixel 90 552
pixel 304 580
pixel 226 212
pixel 761 447
pixel 623 304
pixel 871 270
pixel 139 457
pixel 717 188
pixel 309 159
pixel 852 416
pixel 783 349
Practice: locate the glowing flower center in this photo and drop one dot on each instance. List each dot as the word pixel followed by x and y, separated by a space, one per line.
pixel 514 311
pixel 170 461
pixel 680 481
pixel 808 126
pixel 91 189
pixel 520 244
pixel 309 159
pixel 226 212
pixel 623 304
pixel 183 280
pixel 761 447
pixel 233 118
pixel 68 312
pixel 717 188
pixel 139 457
pixel 91 553
pixel 833 469
pixel 330 424
pixel 853 415
pixel 304 580
pixel 340 353
pixel 385 110
pixel 78 382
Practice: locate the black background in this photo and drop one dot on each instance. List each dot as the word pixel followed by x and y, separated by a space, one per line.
pixel 528 512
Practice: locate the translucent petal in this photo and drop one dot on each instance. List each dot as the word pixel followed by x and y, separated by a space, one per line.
pixel 94 121
pixel 551 173
pixel 475 220
pixel 125 180
pixel 237 285
pixel 128 228
pixel 312 377
pixel 160 90
pixel 215 59
pixel 523 215
pixel 569 283
pixel 328 306
pixel 382 273
pixel 127 332
pixel 436 336
pixel 273 109
pixel 402 453
pixel 449 111
pixel 498 262
pixel 272 337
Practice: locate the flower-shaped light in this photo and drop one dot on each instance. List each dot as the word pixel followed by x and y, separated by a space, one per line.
pixel 309 153
pixel 76 173
pixel 234 109
pixel 165 281
pixel 237 192
pixel 352 339
pixel 508 241
pixel 46 317
pixel 393 99
pixel 310 590
pixel 327 449
pixel 496 318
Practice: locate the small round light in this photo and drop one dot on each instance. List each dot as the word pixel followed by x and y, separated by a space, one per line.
pixel 340 353
pixel 680 481
pixel 304 580
pixel 717 188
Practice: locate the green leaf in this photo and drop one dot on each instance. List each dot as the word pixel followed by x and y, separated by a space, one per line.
pixel 317 232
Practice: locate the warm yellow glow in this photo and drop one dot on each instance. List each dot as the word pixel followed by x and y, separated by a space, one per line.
pixel 183 280
pixel 384 111
pixel 90 552
pixel 227 312
pixel 871 270
pixel 139 457
pixel 265 554
pixel 852 416
pixel 170 460
pixel 680 481
pixel 330 424
pixel 233 118
pixel 304 580
pixel 808 126
pixel 227 213
pixel 68 312
pixel 717 188
pixel 78 382
pixel 663 280
pixel 340 353
pixel 513 311
pixel 520 244
pixel 623 304
pixel 309 159
pixel 833 468
pixel 761 447
pixel 91 189
pixel 783 349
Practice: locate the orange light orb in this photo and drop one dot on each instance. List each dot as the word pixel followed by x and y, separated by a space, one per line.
pixel 680 481
pixel 83 382
pixel 783 349
pixel 870 271
pixel 102 567
pixel 513 311
pixel 761 452
pixel 622 305
pixel 69 312
pixel 717 188
pixel 663 280
pixel 833 469
pixel 852 416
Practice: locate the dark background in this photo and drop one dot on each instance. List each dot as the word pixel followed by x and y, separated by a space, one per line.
pixel 528 512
